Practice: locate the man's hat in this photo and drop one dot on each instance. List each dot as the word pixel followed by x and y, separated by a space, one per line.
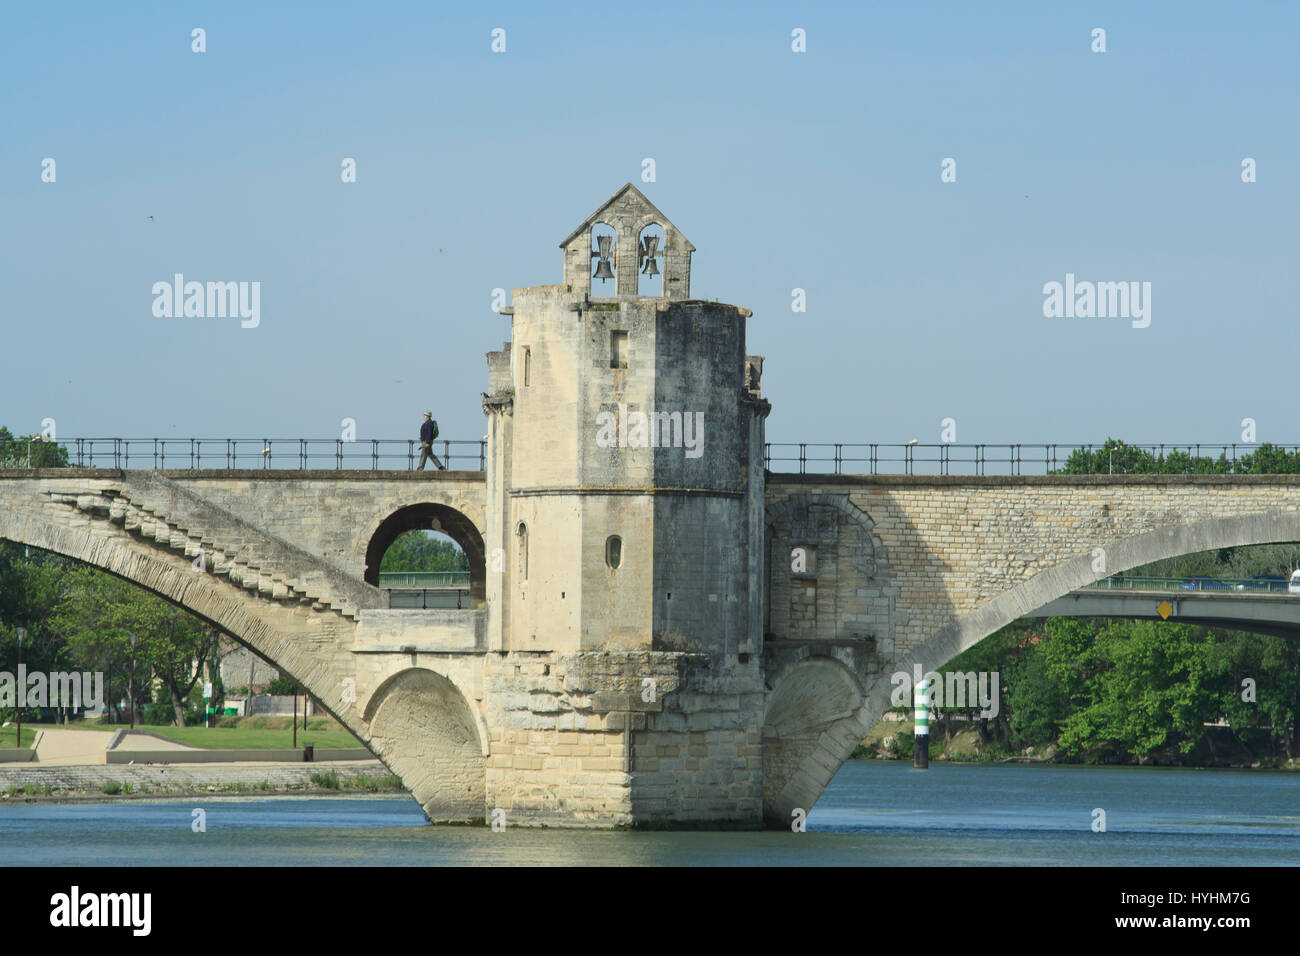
pixel 430 414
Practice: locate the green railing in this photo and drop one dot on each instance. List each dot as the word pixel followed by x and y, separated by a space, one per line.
pixel 424 579
pixel 1122 582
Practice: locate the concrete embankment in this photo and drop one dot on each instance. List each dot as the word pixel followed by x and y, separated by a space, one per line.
pixel 86 764
pixel 26 781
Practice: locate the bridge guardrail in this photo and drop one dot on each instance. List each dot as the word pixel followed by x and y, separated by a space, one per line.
pixel 375 454
pixel 1121 582
pixel 428 599
pixel 847 458
pixel 424 579
pixel 837 458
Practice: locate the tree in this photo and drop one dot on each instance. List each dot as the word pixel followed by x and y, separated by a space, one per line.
pixel 421 551
pixel 1147 689
pixel 30 451
pixel 1116 457
pixel 99 613
pixel 1036 700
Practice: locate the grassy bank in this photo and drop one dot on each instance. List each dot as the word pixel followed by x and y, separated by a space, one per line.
pixel 236 733
pixel 254 738
pixel 8 737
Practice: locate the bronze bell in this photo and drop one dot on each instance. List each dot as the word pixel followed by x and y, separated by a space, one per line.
pixel 649 249
pixel 603 270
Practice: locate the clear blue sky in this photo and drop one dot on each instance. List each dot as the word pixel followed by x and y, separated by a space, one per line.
pixel 818 170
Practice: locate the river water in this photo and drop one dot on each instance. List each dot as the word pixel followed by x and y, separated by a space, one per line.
pixel 873 813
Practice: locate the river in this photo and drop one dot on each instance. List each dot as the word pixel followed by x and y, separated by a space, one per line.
pixel 873 813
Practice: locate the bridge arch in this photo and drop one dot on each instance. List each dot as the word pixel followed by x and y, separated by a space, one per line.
pixel 424 516
pixel 1271 527
pixel 267 628
pixel 810 727
pixel 799 775
pixel 429 734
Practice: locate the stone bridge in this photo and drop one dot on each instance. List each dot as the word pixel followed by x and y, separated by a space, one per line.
pixel 860 577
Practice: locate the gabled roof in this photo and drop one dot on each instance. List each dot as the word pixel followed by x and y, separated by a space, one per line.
pixel 596 216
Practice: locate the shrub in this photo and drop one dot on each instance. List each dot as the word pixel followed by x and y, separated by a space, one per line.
pixel 328 780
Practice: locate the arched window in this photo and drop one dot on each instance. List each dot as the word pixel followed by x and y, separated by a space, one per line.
pixel 614 551
pixel 522 534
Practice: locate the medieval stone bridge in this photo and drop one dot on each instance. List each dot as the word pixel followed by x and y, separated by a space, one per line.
pixel 661 631
pixel 859 576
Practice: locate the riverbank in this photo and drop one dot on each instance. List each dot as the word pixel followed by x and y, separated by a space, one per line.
pixel 106 783
pixel 894 740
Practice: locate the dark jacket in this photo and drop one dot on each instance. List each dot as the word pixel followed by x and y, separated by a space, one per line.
pixel 426 432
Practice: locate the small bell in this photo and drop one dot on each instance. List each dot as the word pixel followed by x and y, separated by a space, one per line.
pixel 649 250
pixel 603 270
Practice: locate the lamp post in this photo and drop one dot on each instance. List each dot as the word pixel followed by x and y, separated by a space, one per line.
pixel 22 687
pixel 133 682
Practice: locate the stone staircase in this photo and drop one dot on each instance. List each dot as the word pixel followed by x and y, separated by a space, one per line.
pixel 155 509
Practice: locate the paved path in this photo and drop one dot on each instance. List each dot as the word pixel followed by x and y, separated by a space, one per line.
pixel 61 748
pixel 140 740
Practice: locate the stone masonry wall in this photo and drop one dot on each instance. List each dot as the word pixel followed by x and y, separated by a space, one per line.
pixel 574 740
pixel 954 544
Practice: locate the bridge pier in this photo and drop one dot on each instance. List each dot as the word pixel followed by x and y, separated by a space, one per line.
pixel 592 738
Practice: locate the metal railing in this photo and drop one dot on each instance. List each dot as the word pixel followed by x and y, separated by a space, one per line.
pixel 835 458
pixel 845 458
pixel 1128 582
pixel 374 454
pixel 428 599
pixel 424 579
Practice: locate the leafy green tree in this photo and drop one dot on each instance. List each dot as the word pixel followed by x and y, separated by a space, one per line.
pixel 98 615
pixel 30 451
pixel 1116 457
pixel 1271 665
pixel 1147 689
pixel 30 590
pixel 422 551
pixel 1036 701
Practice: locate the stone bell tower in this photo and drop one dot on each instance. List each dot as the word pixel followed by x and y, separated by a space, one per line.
pixel 625 477
pixel 624 538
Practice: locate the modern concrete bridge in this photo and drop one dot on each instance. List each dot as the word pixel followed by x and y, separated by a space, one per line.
pixel 1276 613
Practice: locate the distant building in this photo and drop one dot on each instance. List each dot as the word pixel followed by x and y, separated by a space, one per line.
pixel 240 667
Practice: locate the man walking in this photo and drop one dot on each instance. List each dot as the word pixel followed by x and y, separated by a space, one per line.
pixel 428 432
